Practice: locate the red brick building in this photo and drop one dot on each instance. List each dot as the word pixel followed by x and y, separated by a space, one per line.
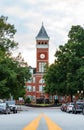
pixel 35 86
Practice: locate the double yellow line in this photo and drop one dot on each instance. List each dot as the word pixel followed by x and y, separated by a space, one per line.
pixel 34 124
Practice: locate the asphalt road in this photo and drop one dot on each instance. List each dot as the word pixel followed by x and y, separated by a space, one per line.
pixel 41 119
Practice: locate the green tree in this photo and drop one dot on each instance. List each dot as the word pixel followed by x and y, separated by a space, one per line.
pixel 69 64
pixel 12 78
pixel 12 70
pixel 7 32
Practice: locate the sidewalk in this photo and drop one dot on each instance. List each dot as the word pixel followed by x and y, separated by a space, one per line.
pixel 22 108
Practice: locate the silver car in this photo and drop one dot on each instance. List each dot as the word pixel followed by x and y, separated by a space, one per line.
pixel 13 107
pixel 4 108
pixel 78 107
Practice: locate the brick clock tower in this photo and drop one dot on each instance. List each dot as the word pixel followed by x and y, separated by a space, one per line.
pixel 35 86
pixel 42 50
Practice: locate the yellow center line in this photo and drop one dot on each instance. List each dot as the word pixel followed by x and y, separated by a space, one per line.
pixel 34 124
pixel 51 124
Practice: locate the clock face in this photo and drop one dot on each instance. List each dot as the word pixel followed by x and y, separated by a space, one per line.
pixel 42 56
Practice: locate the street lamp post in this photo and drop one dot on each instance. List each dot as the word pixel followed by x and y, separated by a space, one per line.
pixel 80 94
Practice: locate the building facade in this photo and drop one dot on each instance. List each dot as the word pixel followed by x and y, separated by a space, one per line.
pixel 35 86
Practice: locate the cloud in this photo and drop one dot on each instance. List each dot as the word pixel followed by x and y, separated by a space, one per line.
pixel 27 15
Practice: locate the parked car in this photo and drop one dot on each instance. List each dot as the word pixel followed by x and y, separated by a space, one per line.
pixel 1 100
pixel 12 106
pixel 70 107
pixel 78 107
pixel 64 107
pixel 83 109
pixel 4 108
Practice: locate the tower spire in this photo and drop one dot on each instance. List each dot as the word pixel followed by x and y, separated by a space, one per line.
pixel 42 35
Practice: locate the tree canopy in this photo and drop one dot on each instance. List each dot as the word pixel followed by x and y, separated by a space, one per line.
pixel 66 75
pixel 7 32
pixel 13 70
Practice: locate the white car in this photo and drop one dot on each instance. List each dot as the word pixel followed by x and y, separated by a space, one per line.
pixel 70 107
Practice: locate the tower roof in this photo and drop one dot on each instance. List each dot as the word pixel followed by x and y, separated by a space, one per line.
pixel 42 35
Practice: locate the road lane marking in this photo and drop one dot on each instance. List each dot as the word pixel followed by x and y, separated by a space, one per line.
pixel 51 124
pixel 34 124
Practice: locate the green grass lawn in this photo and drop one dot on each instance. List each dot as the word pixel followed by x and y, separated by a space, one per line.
pixel 43 105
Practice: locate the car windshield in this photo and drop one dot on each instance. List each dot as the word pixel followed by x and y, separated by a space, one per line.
pixel 10 102
pixel 2 104
pixel 80 103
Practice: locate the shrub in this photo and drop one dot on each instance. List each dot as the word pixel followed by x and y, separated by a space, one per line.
pixel 27 100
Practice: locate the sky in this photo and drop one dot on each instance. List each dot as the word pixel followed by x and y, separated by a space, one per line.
pixel 27 16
